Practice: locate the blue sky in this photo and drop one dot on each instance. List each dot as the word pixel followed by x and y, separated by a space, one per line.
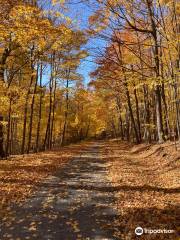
pixel 80 13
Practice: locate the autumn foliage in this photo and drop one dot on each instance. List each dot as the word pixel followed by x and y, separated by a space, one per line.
pixel 43 102
pixel 138 73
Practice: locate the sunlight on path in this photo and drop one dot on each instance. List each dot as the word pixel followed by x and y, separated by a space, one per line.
pixel 74 204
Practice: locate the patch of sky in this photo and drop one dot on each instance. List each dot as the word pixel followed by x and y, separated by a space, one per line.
pixel 79 11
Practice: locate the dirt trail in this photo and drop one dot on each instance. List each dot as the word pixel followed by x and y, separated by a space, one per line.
pixel 76 203
pixel 104 192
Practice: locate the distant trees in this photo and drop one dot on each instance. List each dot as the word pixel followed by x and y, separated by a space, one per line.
pixel 142 61
pixel 40 88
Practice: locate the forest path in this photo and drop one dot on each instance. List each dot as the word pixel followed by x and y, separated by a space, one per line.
pixel 76 203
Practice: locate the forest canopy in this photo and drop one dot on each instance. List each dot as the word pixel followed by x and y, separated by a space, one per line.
pixel 133 92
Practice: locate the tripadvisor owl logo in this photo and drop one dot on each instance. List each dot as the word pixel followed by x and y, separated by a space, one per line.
pixel 139 231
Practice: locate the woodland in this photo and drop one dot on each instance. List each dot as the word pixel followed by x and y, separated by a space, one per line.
pixel 89 119
pixel 134 89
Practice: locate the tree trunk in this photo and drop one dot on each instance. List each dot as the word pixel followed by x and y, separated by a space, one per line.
pixel 40 110
pixel 121 127
pixel 2 153
pixel 3 59
pixel 131 113
pixel 48 128
pixel 47 135
pixel 127 125
pixel 87 130
pixel 167 125
pixel 159 122
pixel 137 114
pixel 32 112
pixel 147 132
pixel 67 108
pixel 25 117
pixel 26 104
pixel 53 117
pixel 114 128
pixel 8 129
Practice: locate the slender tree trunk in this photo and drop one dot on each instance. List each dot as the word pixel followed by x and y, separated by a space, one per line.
pixel 87 130
pixel 120 122
pixel 12 136
pixel 147 135
pixel 25 118
pixel 47 135
pixel 153 109
pixel 3 59
pixel 48 128
pixel 26 104
pixel 159 122
pixel 127 125
pixel 131 113
pixel 2 154
pixel 147 132
pixel 128 96
pixel 114 128
pixel 32 112
pixel 14 140
pixel 53 117
pixel 177 31
pixel 67 108
pixel 168 131
pixel 177 109
pixel 8 129
pixel 121 127
pixel 137 113
pixel 167 127
pixel 40 110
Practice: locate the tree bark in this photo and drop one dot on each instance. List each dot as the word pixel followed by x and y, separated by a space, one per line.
pixel 2 153
pixel 53 117
pixel 131 113
pixel 8 129
pixel 137 113
pixel 159 122
pixel 67 108
pixel 40 110
pixel 3 59
pixel 26 104
pixel 32 112
pixel 47 135
pixel 48 128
